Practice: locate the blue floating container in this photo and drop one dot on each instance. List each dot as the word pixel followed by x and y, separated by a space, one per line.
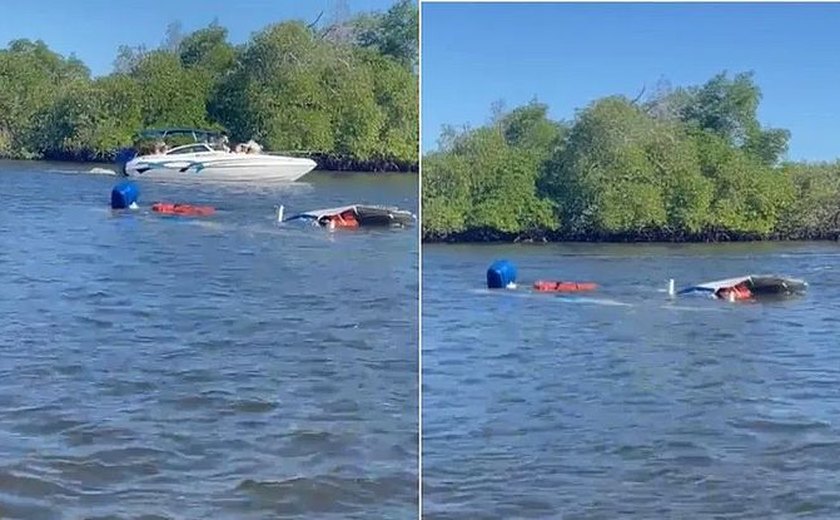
pixel 124 195
pixel 501 274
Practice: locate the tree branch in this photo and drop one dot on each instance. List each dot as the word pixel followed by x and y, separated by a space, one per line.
pixel 636 100
pixel 312 25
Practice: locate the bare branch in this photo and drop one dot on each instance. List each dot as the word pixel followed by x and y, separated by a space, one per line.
pixel 636 100
pixel 312 25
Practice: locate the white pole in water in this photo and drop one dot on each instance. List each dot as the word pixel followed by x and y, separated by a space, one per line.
pixel 671 287
pixel 280 213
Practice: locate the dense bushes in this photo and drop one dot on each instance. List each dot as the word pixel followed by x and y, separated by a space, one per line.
pixel 341 91
pixel 687 164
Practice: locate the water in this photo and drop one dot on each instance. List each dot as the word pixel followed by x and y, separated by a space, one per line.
pixel 160 367
pixel 624 404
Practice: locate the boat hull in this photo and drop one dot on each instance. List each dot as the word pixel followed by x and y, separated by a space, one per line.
pixel 265 169
pixel 750 287
pixel 363 215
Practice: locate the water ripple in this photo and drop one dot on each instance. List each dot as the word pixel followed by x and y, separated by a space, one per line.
pixel 539 408
pixel 164 368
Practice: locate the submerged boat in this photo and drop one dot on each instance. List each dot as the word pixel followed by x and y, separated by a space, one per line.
pixel 208 158
pixel 749 287
pixel 356 215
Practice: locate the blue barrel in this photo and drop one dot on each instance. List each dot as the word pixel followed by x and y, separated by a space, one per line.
pixel 124 195
pixel 500 274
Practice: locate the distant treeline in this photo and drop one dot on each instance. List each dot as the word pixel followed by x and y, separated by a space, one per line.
pixel 346 93
pixel 685 164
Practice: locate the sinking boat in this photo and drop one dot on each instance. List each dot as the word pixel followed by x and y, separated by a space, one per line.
pixel 356 215
pixel 750 287
pixel 208 159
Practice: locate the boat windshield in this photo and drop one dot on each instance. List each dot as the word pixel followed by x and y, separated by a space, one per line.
pixel 196 134
pixel 190 148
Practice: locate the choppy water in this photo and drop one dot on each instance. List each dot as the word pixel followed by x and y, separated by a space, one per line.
pixel 219 368
pixel 626 405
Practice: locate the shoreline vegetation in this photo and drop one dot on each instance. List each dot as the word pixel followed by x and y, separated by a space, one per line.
pixel 682 165
pixel 344 91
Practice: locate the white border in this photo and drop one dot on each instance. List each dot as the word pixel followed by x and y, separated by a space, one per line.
pixel 624 1
pixel 420 260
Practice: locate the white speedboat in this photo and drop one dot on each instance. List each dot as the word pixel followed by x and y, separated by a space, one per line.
pixel 205 158
pixel 202 161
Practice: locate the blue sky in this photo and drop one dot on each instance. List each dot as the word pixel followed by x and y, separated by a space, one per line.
pixel 568 55
pixel 94 29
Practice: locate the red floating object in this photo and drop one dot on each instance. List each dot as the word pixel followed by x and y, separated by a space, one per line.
pixel 344 220
pixel 554 286
pixel 169 208
pixel 738 292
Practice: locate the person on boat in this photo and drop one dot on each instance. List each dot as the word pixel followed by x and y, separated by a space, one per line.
pixel 346 219
pixel 221 143
pixel 735 293
pixel 252 147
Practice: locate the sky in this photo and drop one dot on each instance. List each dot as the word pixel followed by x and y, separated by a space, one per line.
pixel 568 55
pixel 94 29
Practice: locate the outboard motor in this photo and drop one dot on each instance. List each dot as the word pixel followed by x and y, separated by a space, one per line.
pixel 124 195
pixel 501 275
pixel 124 155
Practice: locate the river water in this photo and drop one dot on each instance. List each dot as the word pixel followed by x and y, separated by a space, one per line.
pixel 158 367
pixel 623 403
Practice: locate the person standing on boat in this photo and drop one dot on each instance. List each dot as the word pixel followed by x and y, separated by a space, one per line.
pixel 221 143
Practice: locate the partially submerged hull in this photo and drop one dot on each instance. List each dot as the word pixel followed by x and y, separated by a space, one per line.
pixel 357 215
pixel 750 287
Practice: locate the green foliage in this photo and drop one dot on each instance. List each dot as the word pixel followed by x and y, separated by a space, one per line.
pixel 814 209
pixel 169 94
pixel 688 163
pixel 396 93
pixel 294 91
pixel 208 49
pixel 31 78
pixel 529 128
pixel 446 193
pixel 686 193
pixel 748 195
pixel 394 33
pixel 289 87
pixel 483 182
pixel 725 107
pixel 89 120
pixel 602 178
pixel 728 108
pixel 128 58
